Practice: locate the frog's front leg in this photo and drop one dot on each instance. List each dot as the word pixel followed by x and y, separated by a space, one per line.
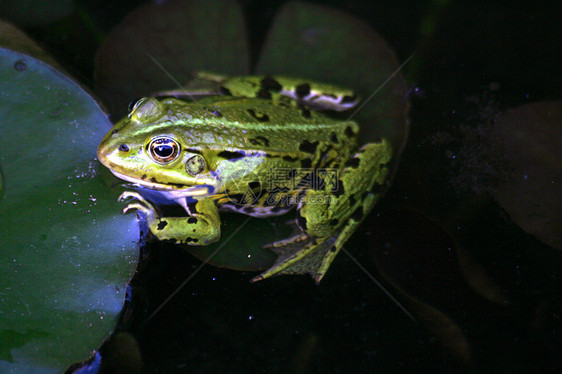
pixel 201 227
pixel 328 217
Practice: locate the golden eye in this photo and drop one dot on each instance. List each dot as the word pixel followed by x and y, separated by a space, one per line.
pixel 195 165
pixel 163 149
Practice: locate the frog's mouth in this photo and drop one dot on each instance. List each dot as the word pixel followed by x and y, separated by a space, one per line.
pixel 194 191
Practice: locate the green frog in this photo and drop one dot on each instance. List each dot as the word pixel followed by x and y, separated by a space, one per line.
pixel 258 145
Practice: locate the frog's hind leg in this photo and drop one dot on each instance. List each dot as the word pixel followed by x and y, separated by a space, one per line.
pixel 367 164
pixel 329 217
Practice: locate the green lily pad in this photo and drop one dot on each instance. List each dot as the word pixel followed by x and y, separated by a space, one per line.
pixel 66 254
pixel 305 40
pixel 530 135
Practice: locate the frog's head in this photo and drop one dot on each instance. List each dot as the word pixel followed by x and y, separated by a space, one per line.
pixel 148 149
pixel 171 145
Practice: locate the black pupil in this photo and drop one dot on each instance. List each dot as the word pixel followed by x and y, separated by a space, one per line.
pixel 164 150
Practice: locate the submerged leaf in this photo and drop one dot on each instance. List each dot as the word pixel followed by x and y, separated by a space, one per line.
pixel 159 45
pixel 530 135
pixel 327 45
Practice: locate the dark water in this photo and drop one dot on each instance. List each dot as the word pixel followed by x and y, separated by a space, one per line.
pixel 438 242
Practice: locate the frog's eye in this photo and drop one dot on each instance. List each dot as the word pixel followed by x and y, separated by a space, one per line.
pixel 195 165
pixel 163 149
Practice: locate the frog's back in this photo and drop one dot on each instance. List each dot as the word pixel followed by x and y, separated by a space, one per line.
pixel 253 123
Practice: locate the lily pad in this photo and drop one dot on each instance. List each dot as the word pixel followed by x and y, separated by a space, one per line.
pixel 66 254
pixel 530 135
pixel 327 45
pixel 161 45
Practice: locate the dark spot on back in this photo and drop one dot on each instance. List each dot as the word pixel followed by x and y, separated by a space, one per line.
pixel 143 176
pixel 308 147
pixel 270 84
pixel 253 185
pixel 161 225
pixel 306 163
pixel 192 220
pixel 349 132
pixel 302 90
pixel 261 117
pixel 230 155
pixel 289 159
pixel 353 162
pixel 263 94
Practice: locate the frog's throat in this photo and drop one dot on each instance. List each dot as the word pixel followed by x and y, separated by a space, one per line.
pixel 195 191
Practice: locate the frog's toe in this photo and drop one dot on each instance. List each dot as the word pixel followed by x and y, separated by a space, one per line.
pixel 139 207
pixel 287 242
pixel 126 195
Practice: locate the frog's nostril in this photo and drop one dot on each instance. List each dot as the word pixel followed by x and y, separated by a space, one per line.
pixel 123 148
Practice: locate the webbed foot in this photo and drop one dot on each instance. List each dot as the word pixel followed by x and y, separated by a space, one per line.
pixel 300 254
